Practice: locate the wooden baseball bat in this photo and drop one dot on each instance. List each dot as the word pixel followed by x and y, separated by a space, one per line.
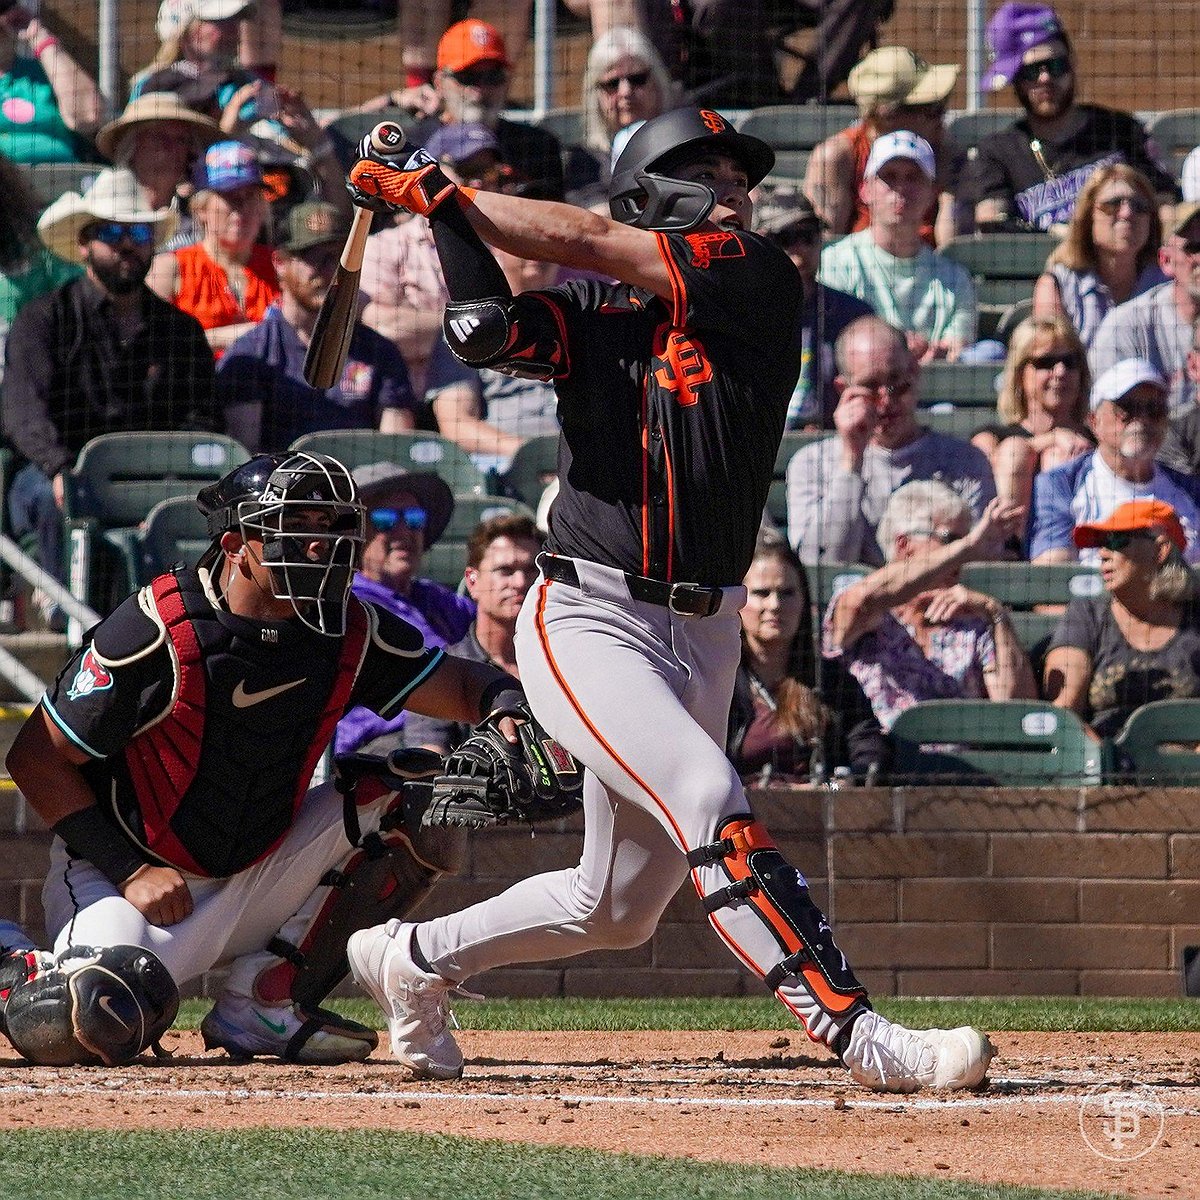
pixel 330 343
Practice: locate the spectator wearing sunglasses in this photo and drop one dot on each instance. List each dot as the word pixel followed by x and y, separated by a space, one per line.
pixel 407 511
pixel 894 89
pixel 1031 174
pixel 1128 418
pixel 1157 325
pixel 1139 639
pixel 789 220
pixel 1181 450
pixel 99 354
pixel 1043 408
pixel 911 631
pixel 1110 253
pixel 471 80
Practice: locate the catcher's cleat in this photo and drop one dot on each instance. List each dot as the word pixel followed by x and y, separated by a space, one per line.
pixel 245 1029
pixel 415 1002
pixel 889 1058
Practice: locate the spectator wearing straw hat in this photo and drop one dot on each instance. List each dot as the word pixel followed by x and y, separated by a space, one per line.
pixel 99 354
pixel 894 89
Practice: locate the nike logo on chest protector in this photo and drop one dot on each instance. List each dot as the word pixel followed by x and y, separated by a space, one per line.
pixel 245 699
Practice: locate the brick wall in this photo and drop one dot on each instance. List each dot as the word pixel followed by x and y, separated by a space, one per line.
pixel 932 892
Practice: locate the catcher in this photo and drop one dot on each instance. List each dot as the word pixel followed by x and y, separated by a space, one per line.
pixel 172 759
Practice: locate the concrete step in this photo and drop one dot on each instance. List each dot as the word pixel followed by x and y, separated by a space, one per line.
pixel 42 652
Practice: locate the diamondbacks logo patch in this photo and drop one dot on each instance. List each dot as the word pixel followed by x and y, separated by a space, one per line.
pixel 91 677
pixel 720 244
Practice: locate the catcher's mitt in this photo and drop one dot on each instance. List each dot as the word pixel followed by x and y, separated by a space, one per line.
pixel 490 781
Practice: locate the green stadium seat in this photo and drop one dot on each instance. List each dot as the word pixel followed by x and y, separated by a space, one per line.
pixel 777 503
pixel 826 578
pixel 995 743
pixel 1177 132
pixel 470 509
pixel 1158 744
pixel 52 180
pixel 348 129
pixel 1002 255
pixel 968 129
pixel 565 123
pixel 532 467
pixel 428 452
pixel 796 440
pixel 961 384
pixel 116 481
pixel 958 422
pixel 174 531
pixel 445 562
pixel 797 126
pixel 1023 585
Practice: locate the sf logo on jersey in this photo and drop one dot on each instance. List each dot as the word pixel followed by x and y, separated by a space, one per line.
pixel 707 246
pixel 91 677
pixel 680 365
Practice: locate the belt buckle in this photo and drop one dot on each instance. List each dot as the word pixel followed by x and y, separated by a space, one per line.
pixel 692 600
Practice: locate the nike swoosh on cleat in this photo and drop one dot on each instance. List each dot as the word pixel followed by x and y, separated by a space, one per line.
pixel 107 1004
pixel 244 699
pixel 279 1029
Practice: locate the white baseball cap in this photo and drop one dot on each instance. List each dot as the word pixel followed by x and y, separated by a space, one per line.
pixel 174 16
pixel 1121 378
pixel 901 144
pixel 1190 176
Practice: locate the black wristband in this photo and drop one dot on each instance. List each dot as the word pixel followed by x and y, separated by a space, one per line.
pixel 90 835
pixel 503 693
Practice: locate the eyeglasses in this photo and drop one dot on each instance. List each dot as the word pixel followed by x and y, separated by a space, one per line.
pixel 1120 539
pixel 1047 362
pixel 943 535
pixel 140 233
pixel 637 79
pixel 1055 68
pixel 384 519
pixel 1135 204
pixel 1151 411
pixel 891 388
pixel 480 76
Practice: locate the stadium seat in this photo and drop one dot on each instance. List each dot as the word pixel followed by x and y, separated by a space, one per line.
pixel 348 129
pixel 1177 132
pixel 824 579
pixel 797 126
pixel 470 509
pixel 1023 585
pixel 1158 744
pixel 986 742
pixel 793 441
pixel 445 562
pixel 410 451
pixel 958 422
pixel 968 129
pixel 1011 317
pixel 999 256
pixel 961 384
pixel 532 467
pixel 52 180
pixel 116 481
pixel 174 531
pixel 565 123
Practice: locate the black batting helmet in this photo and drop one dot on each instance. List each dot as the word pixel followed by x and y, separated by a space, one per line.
pixel 643 192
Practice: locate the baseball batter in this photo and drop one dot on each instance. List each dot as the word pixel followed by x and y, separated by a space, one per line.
pixel 672 390
pixel 172 759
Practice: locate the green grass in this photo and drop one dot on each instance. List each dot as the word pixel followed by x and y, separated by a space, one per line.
pixel 371 1166
pixel 1040 1013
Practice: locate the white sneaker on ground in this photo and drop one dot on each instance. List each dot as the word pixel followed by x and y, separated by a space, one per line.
pixel 244 1028
pixel 415 1002
pixel 889 1058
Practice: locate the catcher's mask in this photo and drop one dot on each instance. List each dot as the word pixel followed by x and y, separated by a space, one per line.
pixel 643 191
pixel 291 501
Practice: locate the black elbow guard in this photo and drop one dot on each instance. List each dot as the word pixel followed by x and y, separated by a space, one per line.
pixel 516 336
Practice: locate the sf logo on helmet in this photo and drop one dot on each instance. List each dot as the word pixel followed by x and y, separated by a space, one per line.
pixel 714 122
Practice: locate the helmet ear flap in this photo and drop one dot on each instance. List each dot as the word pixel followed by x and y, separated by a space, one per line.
pixel 670 205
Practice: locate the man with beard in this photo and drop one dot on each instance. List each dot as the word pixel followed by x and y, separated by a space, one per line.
pixel 501 568
pixel 838 488
pixel 1129 418
pixel 472 77
pixel 260 383
pixel 1029 174
pixel 98 355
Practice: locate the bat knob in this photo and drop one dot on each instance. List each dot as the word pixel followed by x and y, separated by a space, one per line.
pixel 387 138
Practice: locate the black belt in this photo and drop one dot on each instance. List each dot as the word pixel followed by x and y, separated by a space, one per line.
pixel 685 599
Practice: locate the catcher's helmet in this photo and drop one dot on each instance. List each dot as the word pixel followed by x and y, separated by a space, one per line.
pixel 289 501
pixel 643 192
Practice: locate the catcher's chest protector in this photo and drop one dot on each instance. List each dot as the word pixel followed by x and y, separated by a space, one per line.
pixel 219 779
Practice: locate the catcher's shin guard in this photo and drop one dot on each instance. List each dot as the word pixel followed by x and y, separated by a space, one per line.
pixel 812 978
pixel 388 874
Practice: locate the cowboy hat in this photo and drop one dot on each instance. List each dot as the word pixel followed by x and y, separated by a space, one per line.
pixel 115 195
pixel 155 106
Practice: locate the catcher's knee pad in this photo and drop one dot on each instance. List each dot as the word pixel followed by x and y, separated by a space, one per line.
pixel 92 1006
pixel 387 875
pixel 762 879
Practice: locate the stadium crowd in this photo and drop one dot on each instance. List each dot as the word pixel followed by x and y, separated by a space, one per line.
pixel 179 289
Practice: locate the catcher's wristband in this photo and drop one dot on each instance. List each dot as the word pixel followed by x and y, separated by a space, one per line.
pixel 89 835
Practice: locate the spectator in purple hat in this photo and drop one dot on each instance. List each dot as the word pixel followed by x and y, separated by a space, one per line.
pixel 1029 175
pixel 227 279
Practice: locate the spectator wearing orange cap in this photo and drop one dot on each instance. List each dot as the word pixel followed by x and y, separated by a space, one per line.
pixel 472 78
pixel 1139 639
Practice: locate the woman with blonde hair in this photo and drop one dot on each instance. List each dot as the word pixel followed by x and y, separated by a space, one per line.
pixel 1139 639
pixel 1043 405
pixel 1110 252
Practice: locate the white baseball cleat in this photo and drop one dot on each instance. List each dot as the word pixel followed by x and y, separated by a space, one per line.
pixel 244 1029
pixel 415 1002
pixel 890 1058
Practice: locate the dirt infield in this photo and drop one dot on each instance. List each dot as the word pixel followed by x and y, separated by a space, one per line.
pixel 1058 1111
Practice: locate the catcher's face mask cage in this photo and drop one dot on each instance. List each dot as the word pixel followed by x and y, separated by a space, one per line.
pixel 312 527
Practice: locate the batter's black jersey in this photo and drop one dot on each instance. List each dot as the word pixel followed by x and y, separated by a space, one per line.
pixel 266 690
pixel 672 413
